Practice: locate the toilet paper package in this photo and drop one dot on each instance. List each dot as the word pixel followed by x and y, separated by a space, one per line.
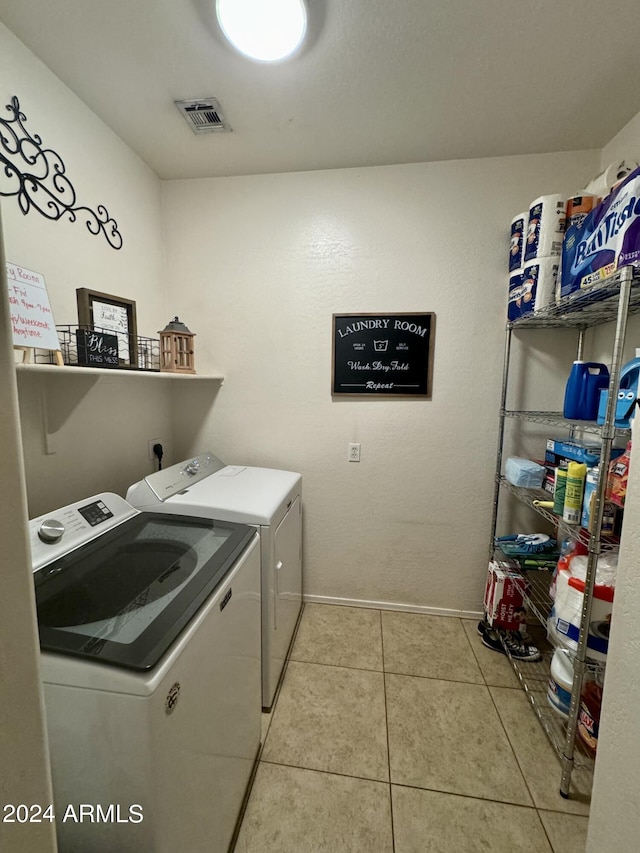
pixel 520 300
pixel 545 227
pixel 608 238
pixel 516 248
pixel 541 276
pixel 533 287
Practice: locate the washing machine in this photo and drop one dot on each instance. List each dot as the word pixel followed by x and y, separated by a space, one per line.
pixel 149 631
pixel 266 498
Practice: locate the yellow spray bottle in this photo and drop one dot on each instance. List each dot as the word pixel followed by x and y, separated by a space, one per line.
pixel 572 510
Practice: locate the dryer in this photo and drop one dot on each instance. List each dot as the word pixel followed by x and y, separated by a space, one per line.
pixel 150 635
pixel 266 498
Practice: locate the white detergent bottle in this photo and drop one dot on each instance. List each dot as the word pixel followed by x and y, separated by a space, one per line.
pixel 560 682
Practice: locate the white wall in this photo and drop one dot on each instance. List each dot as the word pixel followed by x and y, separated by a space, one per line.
pixel 615 817
pixel 625 145
pixel 25 776
pixel 109 420
pixel 261 264
pixel 100 429
pixel 104 171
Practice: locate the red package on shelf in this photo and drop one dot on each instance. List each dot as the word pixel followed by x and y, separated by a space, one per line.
pixel 503 597
pixel 617 478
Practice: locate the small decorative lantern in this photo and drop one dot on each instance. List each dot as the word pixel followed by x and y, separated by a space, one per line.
pixel 176 348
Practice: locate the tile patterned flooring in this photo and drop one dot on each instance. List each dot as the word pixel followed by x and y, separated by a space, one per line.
pixel 401 733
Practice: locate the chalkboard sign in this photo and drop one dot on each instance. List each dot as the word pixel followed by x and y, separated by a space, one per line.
pixel 96 349
pixel 383 354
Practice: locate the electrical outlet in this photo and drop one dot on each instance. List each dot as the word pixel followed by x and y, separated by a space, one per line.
pixel 354 453
pixel 152 441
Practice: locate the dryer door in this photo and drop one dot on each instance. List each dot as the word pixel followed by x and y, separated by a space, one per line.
pixel 288 579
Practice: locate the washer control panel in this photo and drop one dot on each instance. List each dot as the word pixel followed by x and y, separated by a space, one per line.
pixel 169 481
pixel 57 533
pixel 95 513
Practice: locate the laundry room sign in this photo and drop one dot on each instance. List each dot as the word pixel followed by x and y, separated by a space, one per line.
pixel 384 355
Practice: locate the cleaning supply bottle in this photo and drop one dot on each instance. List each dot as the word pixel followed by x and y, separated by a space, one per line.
pixel 560 682
pixel 597 380
pixel 572 510
pixel 560 488
pixel 589 488
pixel 630 375
pixel 589 714
pixel 628 393
pixel 582 392
pixel 574 390
pixel 609 511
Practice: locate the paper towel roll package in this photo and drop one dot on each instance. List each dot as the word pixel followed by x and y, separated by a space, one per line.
pixel 603 183
pixel 578 206
pixel 608 238
pixel 545 227
pixel 516 248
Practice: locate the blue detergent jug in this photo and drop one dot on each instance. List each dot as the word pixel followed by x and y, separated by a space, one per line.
pixel 627 395
pixel 582 393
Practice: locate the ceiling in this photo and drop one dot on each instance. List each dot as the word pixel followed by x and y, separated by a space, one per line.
pixel 379 81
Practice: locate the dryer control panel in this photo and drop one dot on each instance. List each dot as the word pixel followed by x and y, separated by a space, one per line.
pixel 58 532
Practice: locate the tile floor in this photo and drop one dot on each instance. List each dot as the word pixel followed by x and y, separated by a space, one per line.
pixel 401 733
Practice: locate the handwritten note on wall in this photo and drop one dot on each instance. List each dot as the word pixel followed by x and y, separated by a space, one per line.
pixel 31 316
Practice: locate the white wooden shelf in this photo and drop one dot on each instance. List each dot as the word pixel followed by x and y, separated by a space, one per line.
pixel 70 370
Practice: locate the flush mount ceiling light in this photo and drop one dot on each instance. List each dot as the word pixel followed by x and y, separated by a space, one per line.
pixel 266 30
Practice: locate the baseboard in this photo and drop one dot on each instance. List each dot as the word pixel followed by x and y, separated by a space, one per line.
pixel 391 605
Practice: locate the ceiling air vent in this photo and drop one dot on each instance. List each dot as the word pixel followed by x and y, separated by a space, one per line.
pixel 203 115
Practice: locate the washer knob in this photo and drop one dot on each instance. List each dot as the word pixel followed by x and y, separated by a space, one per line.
pixel 193 467
pixel 51 530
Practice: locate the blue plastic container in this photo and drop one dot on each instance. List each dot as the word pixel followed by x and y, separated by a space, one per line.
pixel 582 393
pixel 626 397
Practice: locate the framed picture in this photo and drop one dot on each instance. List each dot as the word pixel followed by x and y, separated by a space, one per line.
pixel 383 355
pixel 111 314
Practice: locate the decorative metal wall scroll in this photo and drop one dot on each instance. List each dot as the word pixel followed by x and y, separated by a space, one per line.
pixel 37 176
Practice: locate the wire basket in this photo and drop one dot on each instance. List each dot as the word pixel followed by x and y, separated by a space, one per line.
pixel 90 346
